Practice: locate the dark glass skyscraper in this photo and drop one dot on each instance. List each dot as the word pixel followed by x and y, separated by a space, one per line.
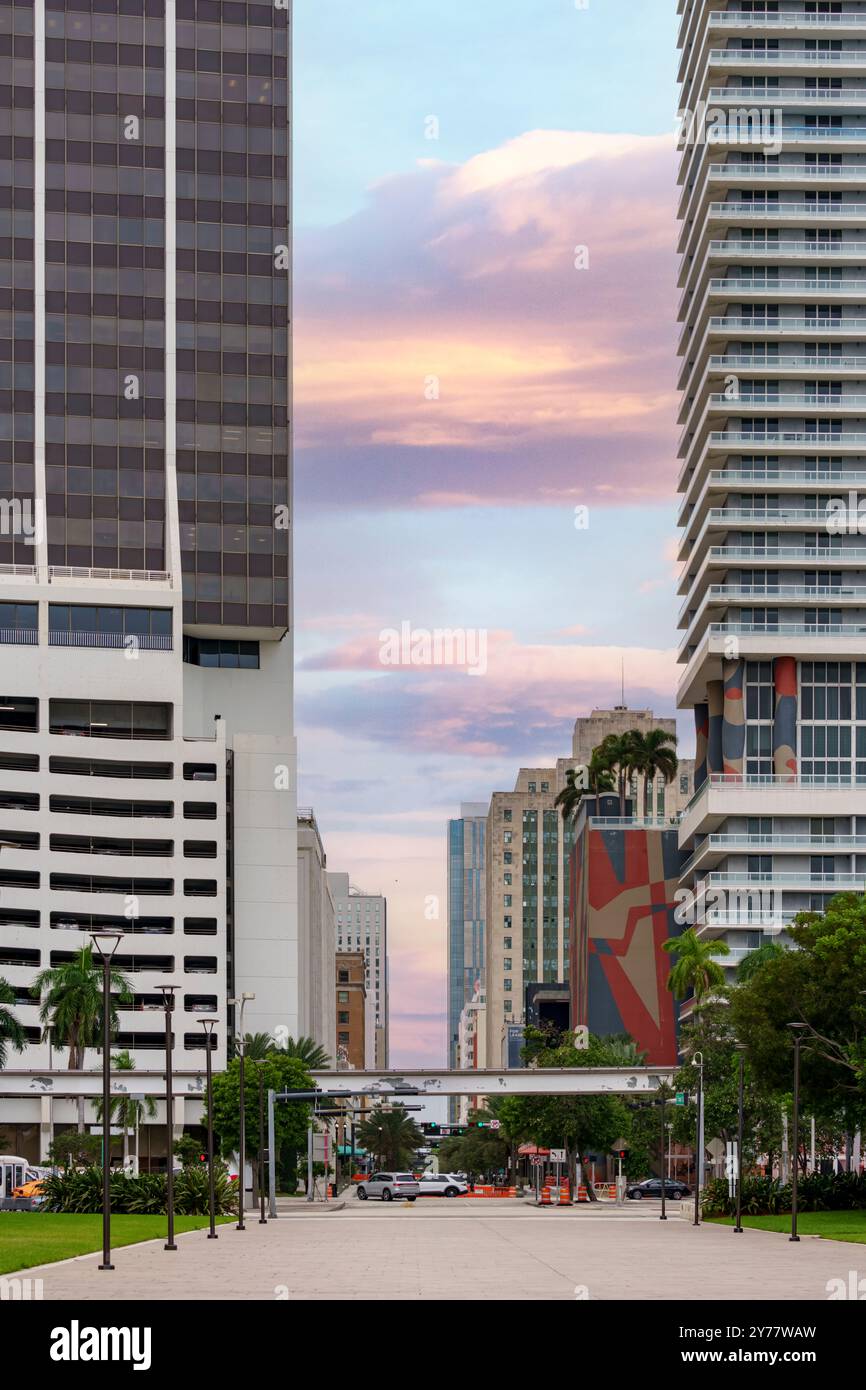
pixel 145 503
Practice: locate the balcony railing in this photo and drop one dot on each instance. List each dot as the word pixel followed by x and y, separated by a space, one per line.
pixel 799 782
pixel 804 437
pixel 19 636
pixel 850 629
pixel 786 19
pixel 731 843
pixel 751 362
pixel 759 554
pixel 158 642
pixel 780 96
pixel 775 285
pixel 790 880
pixel 780 323
pixel 84 572
pixel 774 173
pixel 787 400
pixel 816 212
pixel 737 57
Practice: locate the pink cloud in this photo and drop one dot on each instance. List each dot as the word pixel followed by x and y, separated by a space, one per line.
pixel 449 353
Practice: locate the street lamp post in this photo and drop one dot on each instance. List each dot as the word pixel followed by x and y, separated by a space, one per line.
pixel 168 992
pixel 263 1220
pixel 698 1061
pixel 209 1024
pixel 797 1030
pixel 664 1215
pixel 106 944
pixel 741 1060
pixel 240 1002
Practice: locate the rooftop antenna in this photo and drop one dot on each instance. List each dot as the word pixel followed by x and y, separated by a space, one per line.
pixel 623 682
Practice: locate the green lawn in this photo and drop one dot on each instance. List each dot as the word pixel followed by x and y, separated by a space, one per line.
pixel 35 1238
pixel 833 1225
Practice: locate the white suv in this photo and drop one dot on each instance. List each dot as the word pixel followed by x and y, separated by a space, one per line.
pixel 387 1186
pixel 442 1185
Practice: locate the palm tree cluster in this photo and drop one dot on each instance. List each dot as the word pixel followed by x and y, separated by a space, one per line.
pixel 615 762
pixel 391 1136
pixel 258 1046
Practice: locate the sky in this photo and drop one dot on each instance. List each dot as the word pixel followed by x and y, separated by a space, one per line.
pixel 485 419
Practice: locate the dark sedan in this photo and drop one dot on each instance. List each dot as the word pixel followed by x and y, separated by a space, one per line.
pixel 652 1187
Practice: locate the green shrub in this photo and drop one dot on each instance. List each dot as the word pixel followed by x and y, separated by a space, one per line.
pixel 81 1191
pixel 769 1197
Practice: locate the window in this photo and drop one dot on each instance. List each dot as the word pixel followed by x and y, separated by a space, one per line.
pixel 343 994
pixel 343 1039
pixel 110 719
pixel 83 625
pixel 343 977
pixel 343 1016
pixel 225 652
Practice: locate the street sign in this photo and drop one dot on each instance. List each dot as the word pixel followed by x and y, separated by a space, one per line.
pixel 681 1099
pixel 495 1124
pixel 557 1155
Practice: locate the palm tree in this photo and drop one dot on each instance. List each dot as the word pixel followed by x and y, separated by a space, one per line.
pixel 391 1137
pixel 651 755
pixel 600 775
pixel 11 1032
pixel 569 799
pixel 307 1050
pixel 256 1046
pixel 71 1005
pixel 128 1112
pixel 750 964
pixel 615 755
pixel 695 968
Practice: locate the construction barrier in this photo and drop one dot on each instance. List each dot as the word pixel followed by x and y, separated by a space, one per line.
pixel 482 1190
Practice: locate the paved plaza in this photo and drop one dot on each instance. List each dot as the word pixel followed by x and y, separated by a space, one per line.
pixel 466 1251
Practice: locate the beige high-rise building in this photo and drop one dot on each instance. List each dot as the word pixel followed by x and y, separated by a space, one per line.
pixel 317 937
pixel 526 927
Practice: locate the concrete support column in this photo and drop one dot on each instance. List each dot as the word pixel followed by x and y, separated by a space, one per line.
pixel 785 718
pixel 702 731
pixel 716 708
pixel 45 1126
pixel 734 725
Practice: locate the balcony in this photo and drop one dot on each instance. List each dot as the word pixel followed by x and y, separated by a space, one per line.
pixel 726 794
pixel 790 19
pixel 837 97
pixel 694 614
pixel 787 59
pixel 715 848
pixel 19 636
pixel 722 480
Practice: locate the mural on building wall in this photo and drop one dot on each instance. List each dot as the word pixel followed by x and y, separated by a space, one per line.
pixel 623 885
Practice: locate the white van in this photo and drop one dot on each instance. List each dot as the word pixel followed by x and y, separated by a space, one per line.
pixel 13 1172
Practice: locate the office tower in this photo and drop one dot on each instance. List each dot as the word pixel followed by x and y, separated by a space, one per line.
pixel 356 1019
pixel 466 887
pixel 317 937
pixel 144 493
pixel 362 925
pixel 526 898
pixel 773 279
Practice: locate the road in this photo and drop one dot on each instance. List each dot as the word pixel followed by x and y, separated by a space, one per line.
pixel 464 1250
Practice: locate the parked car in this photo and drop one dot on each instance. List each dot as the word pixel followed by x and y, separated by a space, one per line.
pixel 387 1186
pixel 652 1187
pixel 30 1191
pixel 442 1185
